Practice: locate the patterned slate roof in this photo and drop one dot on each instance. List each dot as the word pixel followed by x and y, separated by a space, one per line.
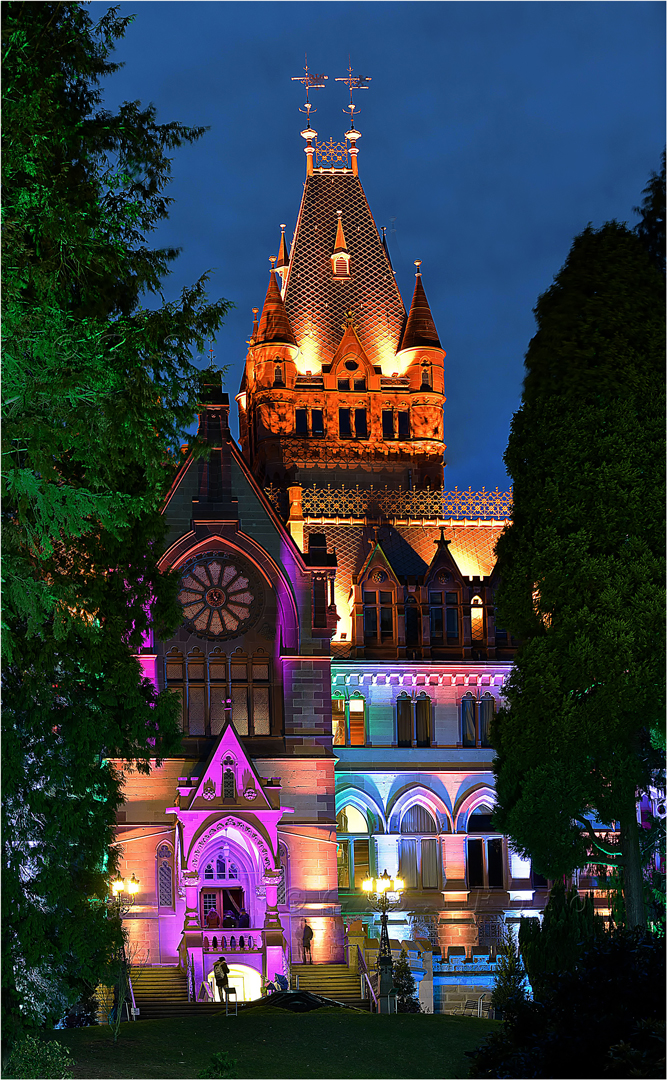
pixel 316 302
pixel 410 549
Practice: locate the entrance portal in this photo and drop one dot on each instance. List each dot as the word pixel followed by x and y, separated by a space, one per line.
pixel 226 904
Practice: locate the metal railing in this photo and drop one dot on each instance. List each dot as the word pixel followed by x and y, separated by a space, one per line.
pixel 365 978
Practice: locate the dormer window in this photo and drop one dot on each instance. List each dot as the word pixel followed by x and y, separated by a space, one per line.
pixel 278 376
pixel 340 259
pixel 341 265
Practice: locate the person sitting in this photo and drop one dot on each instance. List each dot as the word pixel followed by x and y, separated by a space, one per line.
pixel 212 919
pixel 244 919
pixel 229 919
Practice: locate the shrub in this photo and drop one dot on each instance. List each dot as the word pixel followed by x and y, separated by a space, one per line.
pixel 569 926
pixel 34 1059
pixel 605 1018
pixel 509 990
pixel 220 1067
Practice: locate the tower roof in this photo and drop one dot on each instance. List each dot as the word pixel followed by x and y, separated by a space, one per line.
pixel 420 329
pixel 316 302
pixel 274 324
pixel 283 257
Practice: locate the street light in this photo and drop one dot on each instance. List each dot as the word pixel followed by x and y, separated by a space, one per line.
pixel 384 894
pixel 123 894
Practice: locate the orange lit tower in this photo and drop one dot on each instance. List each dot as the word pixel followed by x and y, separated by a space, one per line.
pixel 340 385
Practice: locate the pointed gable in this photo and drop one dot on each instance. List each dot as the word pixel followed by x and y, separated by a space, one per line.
pixel 420 331
pixel 350 345
pixel 229 777
pixel 274 324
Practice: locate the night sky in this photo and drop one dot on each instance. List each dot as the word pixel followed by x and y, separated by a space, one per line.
pixel 492 133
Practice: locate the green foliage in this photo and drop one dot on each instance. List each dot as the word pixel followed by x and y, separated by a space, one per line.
pixel 406 986
pixel 34 1059
pixel 568 928
pixel 651 228
pixel 602 1019
pixel 582 565
pixel 509 988
pixel 222 1065
pixel 98 394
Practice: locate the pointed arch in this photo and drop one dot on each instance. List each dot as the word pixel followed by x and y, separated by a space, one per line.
pixel 482 794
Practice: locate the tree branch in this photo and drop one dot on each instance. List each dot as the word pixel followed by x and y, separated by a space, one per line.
pixel 610 853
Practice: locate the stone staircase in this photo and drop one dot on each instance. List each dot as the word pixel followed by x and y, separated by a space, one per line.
pixel 330 980
pixel 161 993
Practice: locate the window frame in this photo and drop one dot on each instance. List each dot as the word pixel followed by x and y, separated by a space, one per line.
pixel 480 722
pixel 378 606
pixel 484 841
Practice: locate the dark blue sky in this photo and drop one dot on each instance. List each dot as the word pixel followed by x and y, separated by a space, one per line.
pixel 492 133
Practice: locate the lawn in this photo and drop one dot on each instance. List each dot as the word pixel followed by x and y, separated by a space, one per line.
pixel 274 1043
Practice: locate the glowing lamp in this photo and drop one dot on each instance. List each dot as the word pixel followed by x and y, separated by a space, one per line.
pixel 399 884
pixel 133 885
pixel 367 885
pixel 117 885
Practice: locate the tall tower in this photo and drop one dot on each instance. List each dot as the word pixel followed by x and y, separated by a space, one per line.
pixel 341 386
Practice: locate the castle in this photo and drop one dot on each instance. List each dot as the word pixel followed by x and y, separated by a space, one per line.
pixel 339 662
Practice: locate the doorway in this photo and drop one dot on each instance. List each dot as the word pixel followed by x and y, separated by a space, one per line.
pixel 222 902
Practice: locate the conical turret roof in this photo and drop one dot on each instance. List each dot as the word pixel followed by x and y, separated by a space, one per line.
pixel 274 324
pixel 420 329
pixel 283 256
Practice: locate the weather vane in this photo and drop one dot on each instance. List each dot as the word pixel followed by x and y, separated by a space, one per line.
pixel 311 81
pixel 354 82
pixel 211 356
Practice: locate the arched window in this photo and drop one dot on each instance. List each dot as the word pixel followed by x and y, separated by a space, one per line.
pixel 480 820
pixel 477 621
pixel 220 867
pixel 404 720
pixel 418 820
pixel 357 707
pixel 338 720
pixel 228 784
pixel 351 820
pixel 208 872
pixel 412 623
pixel 476 717
pixel 444 617
pixel 165 876
pixel 278 376
pixel 378 611
pixel 423 720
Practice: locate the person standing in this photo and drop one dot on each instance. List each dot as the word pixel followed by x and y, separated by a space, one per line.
pixel 221 972
pixel 307 940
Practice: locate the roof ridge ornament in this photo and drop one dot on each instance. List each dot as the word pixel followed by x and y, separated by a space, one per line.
pixel 353 82
pixel 310 81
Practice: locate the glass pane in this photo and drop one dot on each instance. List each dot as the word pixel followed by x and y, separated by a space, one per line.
pixel 479 823
pixel 218 697
pixel 430 864
pixel 370 623
pixel 260 715
pixel 404 425
pixel 344 423
pixel 360 424
pixel 423 718
pixel 435 598
pixel 475 864
pixel 495 849
pixel 408 863
pixel 343 860
pixel 385 598
pixel 361 862
pixel 239 672
pixel 477 625
pixel 301 418
pixel 436 624
pixel 486 711
pixel 418 820
pixel 411 624
pixel 164 885
pixel 343 384
pixel 357 726
pixel 404 722
pixel 369 598
pixel 386 622
pixel 338 721
pixel 387 424
pixel 452 598
pixel 468 721
pixel 260 672
pixel 317 419
pixel 240 709
pixel 197 710
pixel 359 384
pixel 452 623
pixel 209 899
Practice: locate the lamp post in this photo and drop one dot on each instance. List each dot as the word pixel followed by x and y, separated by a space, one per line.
pixel 384 894
pixel 122 898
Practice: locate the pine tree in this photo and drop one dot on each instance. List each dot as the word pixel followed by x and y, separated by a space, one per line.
pixel 509 989
pixel 651 228
pixel 98 394
pixel 405 985
pixel 582 566
pixel 568 928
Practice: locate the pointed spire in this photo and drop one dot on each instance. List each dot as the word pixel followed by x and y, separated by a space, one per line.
pixel 420 329
pixel 385 245
pixel 340 245
pixel 274 325
pixel 283 257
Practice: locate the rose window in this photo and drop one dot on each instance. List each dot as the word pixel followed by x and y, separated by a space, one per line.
pixel 220 599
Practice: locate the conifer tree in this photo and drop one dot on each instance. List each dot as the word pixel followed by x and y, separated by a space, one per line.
pixel 405 985
pixel 98 394
pixel 582 566
pixel 568 928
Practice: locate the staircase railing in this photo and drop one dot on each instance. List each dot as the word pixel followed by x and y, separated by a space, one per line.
pixel 365 978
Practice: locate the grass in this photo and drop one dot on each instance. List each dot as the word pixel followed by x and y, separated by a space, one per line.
pixel 273 1043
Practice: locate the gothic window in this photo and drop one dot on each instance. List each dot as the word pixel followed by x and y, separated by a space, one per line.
pixel 278 376
pixel 319 601
pixel 344 424
pixel 360 424
pixel 427 377
pixel 250 688
pixel 220 867
pixel 444 614
pixel 403 424
pixel 233 872
pixel 351 820
pixel 220 596
pixel 477 621
pixel 343 861
pixel 418 820
pixel 165 876
pixel 343 384
pixel 378 616
pixel 360 384
pixel 423 720
pixel 208 872
pixel 485 863
pixel 476 717
pixel 174 680
pixel 301 421
pixel 228 784
pixel 480 820
pixel 317 423
pixel 388 424
pixel 338 721
pixel 412 622
pixel 404 720
pixel 357 708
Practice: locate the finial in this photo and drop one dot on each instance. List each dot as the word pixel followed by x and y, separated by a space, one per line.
pixel 255 325
pixel 211 356
pixel 310 81
pixel 353 82
pixel 283 227
pixel 339 212
pixel 273 259
pixel 418 263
